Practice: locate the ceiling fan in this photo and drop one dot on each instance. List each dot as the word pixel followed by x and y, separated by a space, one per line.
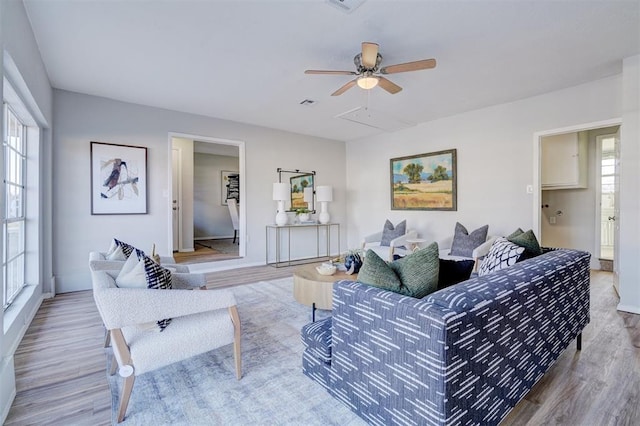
pixel 369 72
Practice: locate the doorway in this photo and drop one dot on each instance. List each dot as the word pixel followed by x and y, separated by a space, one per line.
pixel 608 184
pixel 197 208
pixel 567 206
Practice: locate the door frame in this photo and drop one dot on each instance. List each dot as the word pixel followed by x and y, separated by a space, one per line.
pixel 178 199
pixel 241 170
pixel 537 166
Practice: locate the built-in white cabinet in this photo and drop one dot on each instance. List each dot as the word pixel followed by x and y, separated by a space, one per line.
pixel 564 161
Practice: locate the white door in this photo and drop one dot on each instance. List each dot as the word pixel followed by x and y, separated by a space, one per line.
pixel 616 207
pixel 175 197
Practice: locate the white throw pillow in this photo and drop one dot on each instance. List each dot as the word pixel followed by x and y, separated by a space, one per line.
pixel 502 254
pixel 116 254
pixel 112 247
pixel 134 277
pixel 128 266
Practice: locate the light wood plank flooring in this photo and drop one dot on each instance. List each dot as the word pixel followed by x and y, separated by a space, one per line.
pixel 61 379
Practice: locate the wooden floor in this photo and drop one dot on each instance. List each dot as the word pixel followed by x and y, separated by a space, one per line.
pixel 61 379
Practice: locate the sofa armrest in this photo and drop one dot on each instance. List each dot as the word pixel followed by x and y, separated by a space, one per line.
pixel 106 265
pixel 483 249
pixel 372 238
pixel 181 280
pixel 121 307
pixel 383 345
pixel 402 240
pixel 446 243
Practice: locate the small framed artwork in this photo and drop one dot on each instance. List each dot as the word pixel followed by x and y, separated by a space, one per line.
pixel 424 181
pixel 118 179
pixel 230 186
pixel 298 184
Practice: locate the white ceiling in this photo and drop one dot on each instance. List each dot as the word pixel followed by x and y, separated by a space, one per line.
pixel 244 60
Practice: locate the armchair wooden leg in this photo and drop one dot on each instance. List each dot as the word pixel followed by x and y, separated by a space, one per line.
pixel 235 318
pixel 114 366
pixel 107 338
pixel 124 397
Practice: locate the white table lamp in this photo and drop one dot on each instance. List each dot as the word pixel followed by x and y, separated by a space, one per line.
pixel 324 194
pixel 281 193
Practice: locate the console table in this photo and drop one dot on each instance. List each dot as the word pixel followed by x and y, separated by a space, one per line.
pixel 282 237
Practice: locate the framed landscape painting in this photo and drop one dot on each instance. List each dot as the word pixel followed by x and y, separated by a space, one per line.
pixel 118 179
pixel 298 184
pixel 424 181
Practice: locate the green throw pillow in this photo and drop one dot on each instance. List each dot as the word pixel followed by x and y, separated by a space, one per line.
pixel 415 275
pixel 527 240
pixel 515 234
pixel 419 271
pixel 376 272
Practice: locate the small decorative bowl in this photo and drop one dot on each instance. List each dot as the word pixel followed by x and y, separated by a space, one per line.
pixel 326 269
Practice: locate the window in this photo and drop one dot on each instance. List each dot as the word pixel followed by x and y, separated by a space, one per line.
pixel 13 226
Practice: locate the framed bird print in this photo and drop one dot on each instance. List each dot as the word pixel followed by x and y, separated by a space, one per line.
pixel 118 179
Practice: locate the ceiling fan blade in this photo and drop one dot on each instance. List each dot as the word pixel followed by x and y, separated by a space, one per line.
pixel 409 66
pixel 330 72
pixel 344 88
pixel 388 85
pixel 369 54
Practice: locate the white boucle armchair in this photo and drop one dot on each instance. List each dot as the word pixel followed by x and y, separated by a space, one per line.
pixel 98 260
pixel 372 242
pixel 201 321
pixel 444 247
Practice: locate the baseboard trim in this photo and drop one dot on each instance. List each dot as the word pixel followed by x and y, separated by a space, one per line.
pixel 230 237
pixel 8 380
pixel 627 308
pixel 221 265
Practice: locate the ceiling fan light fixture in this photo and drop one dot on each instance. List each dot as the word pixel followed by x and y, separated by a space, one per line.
pixel 368 82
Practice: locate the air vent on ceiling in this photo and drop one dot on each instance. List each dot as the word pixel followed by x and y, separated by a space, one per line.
pixel 308 102
pixel 346 6
pixel 374 118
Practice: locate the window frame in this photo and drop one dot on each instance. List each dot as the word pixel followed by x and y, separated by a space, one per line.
pixel 14 177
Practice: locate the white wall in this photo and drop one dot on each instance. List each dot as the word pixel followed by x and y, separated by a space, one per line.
pixel 80 119
pixel 211 218
pixel 22 66
pixel 495 163
pixel 629 187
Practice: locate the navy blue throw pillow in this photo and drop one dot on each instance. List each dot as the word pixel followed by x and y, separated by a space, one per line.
pixel 454 272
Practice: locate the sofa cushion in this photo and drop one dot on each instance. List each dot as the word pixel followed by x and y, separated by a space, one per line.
pixel 415 275
pixel 317 339
pixel 527 240
pixel 418 272
pixel 376 272
pixel 502 254
pixel 464 242
pixel 454 271
pixel 389 232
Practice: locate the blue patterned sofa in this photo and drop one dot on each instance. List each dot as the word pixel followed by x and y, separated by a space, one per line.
pixel 466 354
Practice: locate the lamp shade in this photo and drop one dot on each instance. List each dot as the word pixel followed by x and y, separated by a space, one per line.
pixel 308 195
pixel 324 193
pixel 281 191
